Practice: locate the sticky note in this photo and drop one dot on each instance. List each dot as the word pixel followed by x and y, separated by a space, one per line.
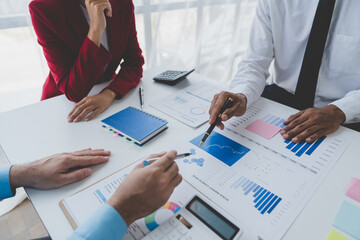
pixel 263 129
pixel 348 219
pixel 354 190
pixel 333 235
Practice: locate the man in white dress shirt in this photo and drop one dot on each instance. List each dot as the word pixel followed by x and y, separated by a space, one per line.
pixel 280 33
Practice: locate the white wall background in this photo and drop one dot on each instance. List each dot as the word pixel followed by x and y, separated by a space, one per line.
pixel 209 35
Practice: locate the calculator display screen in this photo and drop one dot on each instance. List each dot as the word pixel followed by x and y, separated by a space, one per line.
pixel 213 219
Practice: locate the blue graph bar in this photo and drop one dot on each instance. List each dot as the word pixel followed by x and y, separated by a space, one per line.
pixel 247 186
pixel 251 188
pixel 264 200
pixel 297 147
pixel 300 148
pixel 279 122
pixel 247 181
pixel 236 182
pixel 274 205
pixel 270 118
pixel 315 145
pixel 259 196
pixel 100 195
pixel 269 204
pixel 290 146
pixel 259 191
pixel 303 149
pixel 242 181
pixel 275 120
pixel 239 184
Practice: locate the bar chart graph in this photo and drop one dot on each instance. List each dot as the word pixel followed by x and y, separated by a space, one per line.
pixel 303 147
pixel 264 200
pixel 274 120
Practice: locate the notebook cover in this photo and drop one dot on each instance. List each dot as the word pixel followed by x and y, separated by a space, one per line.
pixel 134 123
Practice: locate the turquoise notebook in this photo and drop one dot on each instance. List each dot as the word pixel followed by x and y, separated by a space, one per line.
pixel 135 125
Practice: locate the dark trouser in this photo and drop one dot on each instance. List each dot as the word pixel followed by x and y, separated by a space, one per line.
pixel 280 95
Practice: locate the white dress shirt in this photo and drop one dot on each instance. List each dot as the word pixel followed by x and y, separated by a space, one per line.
pixel 280 32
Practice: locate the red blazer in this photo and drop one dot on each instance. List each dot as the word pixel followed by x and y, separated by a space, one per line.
pixel 76 63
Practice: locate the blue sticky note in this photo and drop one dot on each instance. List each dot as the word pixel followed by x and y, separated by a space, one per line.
pixel 348 219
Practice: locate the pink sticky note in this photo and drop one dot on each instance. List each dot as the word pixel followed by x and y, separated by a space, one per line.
pixel 354 189
pixel 263 129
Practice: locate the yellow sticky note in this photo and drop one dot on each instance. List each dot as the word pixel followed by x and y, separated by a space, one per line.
pixel 333 235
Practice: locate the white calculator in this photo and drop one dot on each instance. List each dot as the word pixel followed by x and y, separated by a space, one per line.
pixel 198 220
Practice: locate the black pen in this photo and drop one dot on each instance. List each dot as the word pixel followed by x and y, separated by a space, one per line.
pixel 141 94
pixel 226 105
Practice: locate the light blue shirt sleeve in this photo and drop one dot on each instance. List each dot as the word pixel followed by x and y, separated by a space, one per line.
pixel 105 223
pixel 5 188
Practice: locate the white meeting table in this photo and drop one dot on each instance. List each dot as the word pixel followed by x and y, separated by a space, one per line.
pixel 41 129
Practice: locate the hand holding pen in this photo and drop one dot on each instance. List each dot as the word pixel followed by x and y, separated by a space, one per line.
pixel 153 159
pixel 238 107
pixel 226 105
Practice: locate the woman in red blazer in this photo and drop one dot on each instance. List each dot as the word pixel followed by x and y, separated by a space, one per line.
pixel 72 34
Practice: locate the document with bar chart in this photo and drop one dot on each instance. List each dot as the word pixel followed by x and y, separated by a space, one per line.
pixel 82 205
pixel 251 172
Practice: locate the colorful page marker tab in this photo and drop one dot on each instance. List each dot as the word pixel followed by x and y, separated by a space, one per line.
pixel 263 129
pixel 354 190
pixel 333 235
pixel 348 219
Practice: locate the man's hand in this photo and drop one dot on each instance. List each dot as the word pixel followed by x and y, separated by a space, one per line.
pixel 96 9
pixel 238 108
pixel 313 123
pixel 146 188
pixel 57 170
pixel 95 105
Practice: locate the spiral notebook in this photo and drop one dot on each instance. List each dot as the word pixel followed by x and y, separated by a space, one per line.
pixel 135 125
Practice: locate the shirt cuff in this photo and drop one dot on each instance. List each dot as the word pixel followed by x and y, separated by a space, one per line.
pixel 250 95
pixel 105 223
pixel 347 110
pixel 5 182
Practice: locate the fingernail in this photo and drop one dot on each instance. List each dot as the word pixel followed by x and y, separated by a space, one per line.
pixel 295 139
pixel 108 152
pixel 286 136
pixel 308 139
pixel 88 172
pixel 282 132
pixel 86 120
pixel 225 117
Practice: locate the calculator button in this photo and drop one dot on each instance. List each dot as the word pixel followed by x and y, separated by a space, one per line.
pixel 182 229
pixel 156 234
pixel 166 228
pixel 174 235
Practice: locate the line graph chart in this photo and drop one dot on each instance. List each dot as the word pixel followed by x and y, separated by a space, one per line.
pixel 222 148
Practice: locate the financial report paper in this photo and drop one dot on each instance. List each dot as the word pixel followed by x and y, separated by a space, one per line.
pixel 263 183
